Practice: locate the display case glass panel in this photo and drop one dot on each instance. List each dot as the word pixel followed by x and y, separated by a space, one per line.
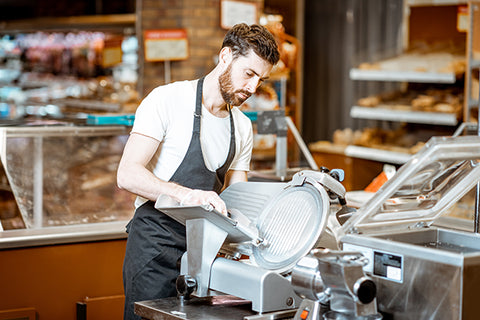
pixel 61 175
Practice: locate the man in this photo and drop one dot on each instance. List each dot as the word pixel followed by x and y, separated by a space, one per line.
pixel 164 157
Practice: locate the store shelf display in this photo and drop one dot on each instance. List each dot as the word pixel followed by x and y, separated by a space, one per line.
pixel 383 145
pixel 472 74
pixel 418 104
pixel 430 72
pixel 434 67
pixel 50 81
pixel 77 72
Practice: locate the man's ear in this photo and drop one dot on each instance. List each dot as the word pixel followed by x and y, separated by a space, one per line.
pixel 225 56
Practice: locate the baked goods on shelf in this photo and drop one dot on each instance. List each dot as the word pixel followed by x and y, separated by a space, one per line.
pixel 398 140
pixel 424 57
pixel 444 100
pixel 265 98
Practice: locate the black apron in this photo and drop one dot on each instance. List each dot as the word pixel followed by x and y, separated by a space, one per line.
pixel 156 242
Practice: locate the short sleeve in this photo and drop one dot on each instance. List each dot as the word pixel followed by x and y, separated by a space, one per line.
pixel 243 154
pixel 150 117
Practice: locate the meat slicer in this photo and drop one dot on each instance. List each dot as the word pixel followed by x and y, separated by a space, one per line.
pixel 250 253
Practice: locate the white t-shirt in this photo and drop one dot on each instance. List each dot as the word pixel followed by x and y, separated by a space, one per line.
pixel 167 114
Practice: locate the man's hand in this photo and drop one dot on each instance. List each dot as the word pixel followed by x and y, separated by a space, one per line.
pixel 200 197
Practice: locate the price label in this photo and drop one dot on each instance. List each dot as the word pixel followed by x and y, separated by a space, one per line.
pixel 462 19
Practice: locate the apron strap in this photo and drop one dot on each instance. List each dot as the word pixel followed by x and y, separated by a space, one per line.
pixel 198 106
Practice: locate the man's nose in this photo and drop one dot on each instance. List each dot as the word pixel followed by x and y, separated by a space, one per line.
pixel 253 84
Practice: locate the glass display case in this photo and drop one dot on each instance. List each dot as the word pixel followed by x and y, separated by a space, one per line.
pixel 61 175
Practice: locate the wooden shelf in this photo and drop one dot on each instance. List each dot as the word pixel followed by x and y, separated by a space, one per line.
pixel 95 22
pixel 413 3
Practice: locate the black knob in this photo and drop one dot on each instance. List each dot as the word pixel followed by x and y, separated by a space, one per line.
pixel 324 169
pixel 335 175
pixel 185 284
pixel 366 290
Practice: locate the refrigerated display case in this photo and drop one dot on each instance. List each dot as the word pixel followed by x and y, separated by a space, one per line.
pixel 63 218
pixel 61 175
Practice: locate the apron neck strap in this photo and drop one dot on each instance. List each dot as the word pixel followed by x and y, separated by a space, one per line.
pixel 198 106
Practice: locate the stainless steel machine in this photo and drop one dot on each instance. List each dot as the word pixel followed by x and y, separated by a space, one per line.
pixel 270 227
pixel 421 271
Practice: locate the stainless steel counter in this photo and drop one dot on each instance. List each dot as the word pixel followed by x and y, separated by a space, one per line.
pixel 63 234
pixel 193 309
pixel 202 309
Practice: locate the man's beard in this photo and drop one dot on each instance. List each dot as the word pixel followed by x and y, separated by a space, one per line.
pixel 226 89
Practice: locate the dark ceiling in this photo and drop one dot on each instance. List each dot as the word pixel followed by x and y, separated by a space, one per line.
pixel 27 9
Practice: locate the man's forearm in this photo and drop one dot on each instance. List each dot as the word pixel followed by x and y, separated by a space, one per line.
pixel 140 181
